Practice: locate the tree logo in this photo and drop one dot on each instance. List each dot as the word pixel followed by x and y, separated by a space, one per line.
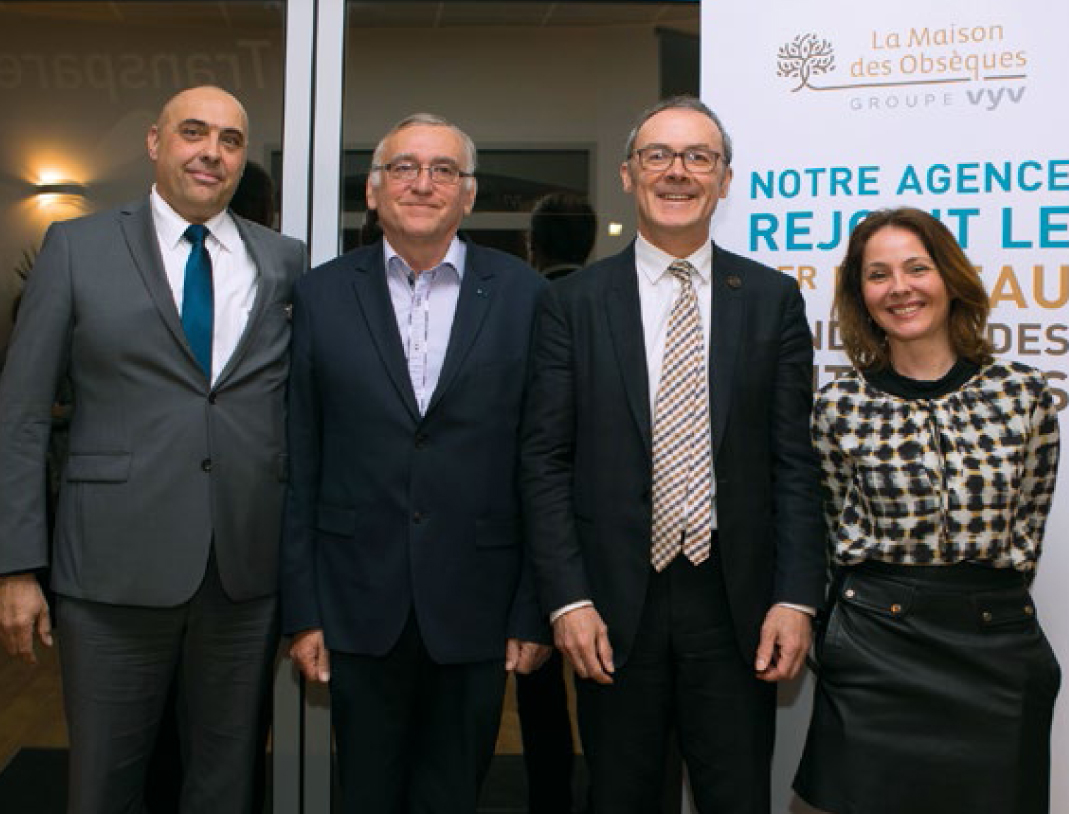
pixel 804 57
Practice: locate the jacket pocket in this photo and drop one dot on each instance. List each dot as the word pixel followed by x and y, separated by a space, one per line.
pixel 99 468
pixel 336 520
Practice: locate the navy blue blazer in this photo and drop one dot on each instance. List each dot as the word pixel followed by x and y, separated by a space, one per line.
pixel 587 448
pixel 388 511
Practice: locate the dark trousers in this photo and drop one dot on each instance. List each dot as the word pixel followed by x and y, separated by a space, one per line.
pixel 546 731
pixel 118 663
pixel 413 736
pixel 163 785
pixel 685 674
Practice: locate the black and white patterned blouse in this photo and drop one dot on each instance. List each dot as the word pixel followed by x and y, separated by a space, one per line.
pixel 964 475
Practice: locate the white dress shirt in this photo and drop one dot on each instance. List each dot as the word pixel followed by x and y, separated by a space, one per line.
pixel 234 274
pixel 425 305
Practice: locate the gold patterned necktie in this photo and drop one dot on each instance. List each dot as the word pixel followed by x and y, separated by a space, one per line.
pixel 682 446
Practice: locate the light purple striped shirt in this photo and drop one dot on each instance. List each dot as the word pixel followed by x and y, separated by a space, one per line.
pixel 424 305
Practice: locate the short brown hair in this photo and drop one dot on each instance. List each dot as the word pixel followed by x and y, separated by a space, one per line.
pixel 864 340
pixel 680 102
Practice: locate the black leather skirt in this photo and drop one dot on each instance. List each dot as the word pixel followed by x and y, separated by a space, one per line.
pixel 935 695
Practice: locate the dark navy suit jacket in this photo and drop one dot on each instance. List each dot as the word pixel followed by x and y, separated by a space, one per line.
pixel 388 511
pixel 587 451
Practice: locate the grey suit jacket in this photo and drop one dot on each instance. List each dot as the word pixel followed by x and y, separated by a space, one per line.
pixel 161 463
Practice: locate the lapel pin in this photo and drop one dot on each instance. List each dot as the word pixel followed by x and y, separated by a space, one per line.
pixel 287 309
pixel 734 281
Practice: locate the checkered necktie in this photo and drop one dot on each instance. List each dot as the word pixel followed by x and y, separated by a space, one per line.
pixel 682 448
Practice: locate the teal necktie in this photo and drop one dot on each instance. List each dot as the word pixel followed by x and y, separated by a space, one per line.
pixel 197 306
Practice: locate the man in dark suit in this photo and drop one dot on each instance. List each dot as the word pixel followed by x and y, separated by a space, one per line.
pixel 670 492
pixel 403 559
pixel 170 318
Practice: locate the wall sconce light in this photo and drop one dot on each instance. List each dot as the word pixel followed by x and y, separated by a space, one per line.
pixel 59 197
pixel 616 229
pixel 60 188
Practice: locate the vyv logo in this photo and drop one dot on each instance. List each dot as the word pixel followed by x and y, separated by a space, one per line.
pixel 991 99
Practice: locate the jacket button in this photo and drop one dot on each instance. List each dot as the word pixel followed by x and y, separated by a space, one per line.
pixel 849 593
pixel 421 440
pixel 417 517
pixel 211 398
pixel 986 616
pixel 206 464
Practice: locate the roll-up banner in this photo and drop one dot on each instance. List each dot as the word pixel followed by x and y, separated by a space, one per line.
pixel 959 107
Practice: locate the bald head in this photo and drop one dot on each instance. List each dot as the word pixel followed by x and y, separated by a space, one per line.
pixel 204 94
pixel 199 144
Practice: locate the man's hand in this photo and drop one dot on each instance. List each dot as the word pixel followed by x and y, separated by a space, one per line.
pixel 584 639
pixel 525 657
pixel 23 611
pixel 785 637
pixel 309 652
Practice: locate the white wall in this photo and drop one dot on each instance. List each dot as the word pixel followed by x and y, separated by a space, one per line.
pixel 522 87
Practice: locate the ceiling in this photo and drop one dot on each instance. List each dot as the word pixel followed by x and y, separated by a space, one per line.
pixel 391 14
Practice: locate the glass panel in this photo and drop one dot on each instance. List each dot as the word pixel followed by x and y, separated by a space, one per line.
pixel 528 81
pixel 82 82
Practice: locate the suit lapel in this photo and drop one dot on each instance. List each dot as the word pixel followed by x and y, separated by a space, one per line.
pixel 373 295
pixel 728 318
pixel 476 293
pixel 620 285
pixel 140 235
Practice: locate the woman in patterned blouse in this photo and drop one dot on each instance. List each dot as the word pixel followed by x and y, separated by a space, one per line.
pixel 936 684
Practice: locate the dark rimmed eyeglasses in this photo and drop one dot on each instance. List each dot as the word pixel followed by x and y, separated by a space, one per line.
pixel 659 157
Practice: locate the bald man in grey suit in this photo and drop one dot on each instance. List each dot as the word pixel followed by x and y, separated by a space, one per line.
pixel 165 557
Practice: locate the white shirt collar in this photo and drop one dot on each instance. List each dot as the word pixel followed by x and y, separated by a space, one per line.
pixel 171 227
pixel 654 263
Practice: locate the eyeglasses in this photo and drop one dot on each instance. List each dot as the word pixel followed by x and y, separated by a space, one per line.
pixel 405 172
pixel 658 158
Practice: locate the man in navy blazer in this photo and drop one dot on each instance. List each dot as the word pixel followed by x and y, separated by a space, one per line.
pixel 403 559
pixel 693 649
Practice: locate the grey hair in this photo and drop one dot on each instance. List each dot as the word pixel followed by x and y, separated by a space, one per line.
pixel 430 120
pixel 679 103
